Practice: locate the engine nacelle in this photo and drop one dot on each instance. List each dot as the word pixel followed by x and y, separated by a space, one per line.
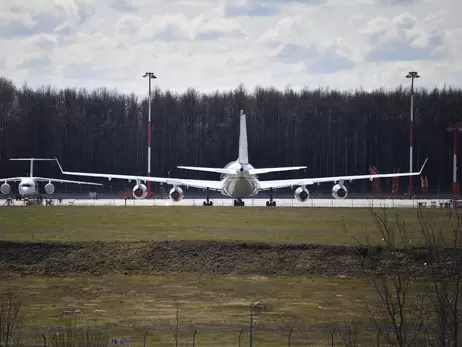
pixel 176 194
pixel 140 191
pixel 339 192
pixel 301 194
pixel 5 188
pixel 49 188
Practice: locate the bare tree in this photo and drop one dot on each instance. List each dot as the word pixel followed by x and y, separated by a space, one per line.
pixel 10 318
pixel 401 305
pixel 444 267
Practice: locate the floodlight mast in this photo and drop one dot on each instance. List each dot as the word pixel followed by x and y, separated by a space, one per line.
pixel 455 186
pixel 150 76
pixel 412 75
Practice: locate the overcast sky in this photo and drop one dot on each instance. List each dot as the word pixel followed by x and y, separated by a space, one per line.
pixel 218 44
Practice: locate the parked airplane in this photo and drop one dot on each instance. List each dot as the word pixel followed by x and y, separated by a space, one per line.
pixel 239 178
pixel 28 186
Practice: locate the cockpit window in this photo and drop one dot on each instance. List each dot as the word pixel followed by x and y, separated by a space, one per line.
pixel 27 185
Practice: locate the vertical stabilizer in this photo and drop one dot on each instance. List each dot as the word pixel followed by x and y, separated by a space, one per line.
pixel 31 172
pixel 243 150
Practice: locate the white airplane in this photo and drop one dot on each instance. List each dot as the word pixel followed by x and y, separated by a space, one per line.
pixel 239 179
pixel 28 186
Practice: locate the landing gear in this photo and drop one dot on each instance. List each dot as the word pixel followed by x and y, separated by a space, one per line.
pixel 238 202
pixel 207 202
pixel 271 202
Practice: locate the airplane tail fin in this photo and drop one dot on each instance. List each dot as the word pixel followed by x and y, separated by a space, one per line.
pixel 243 147
pixel 31 171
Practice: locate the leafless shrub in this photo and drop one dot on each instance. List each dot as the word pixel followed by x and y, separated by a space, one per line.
pixel 10 318
pixel 69 334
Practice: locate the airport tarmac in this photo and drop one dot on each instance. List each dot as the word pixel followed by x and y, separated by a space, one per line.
pixel 354 203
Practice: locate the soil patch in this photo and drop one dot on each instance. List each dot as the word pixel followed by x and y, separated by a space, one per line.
pixel 209 257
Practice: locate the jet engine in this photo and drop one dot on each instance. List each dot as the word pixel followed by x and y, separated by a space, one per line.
pixel 140 191
pixel 49 188
pixel 339 192
pixel 301 194
pixel 5 188
pixel 176 194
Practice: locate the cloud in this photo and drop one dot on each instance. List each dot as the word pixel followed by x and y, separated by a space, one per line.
pixel 316 61
pixel 209 44
pixel 397 2
pixel 402 38
pixel 256 8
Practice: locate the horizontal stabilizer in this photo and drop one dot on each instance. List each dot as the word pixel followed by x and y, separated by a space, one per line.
pixel 275 169
pixel 208 169
pixel 34 159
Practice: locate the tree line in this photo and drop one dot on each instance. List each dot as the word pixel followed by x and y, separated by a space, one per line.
pixel 331 132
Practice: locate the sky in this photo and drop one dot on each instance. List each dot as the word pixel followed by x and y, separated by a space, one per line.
pixel 219 44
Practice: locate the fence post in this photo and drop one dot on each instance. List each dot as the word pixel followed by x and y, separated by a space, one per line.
pixel 332 341
pixel 194 338
pixel 240 333
pixel 44 341
pixel 288 337
pixel 145 335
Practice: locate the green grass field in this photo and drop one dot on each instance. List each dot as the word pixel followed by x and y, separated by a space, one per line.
pixel 119 305
pixel 280 225
pixel 216 306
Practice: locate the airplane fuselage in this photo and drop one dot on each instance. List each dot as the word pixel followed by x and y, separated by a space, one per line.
pixel 240 185
pixel 28 187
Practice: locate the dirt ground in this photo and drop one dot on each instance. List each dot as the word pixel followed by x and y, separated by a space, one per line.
pixel 206 257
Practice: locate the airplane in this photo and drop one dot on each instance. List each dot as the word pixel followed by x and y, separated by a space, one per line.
pixel 239 180
pixel 28 186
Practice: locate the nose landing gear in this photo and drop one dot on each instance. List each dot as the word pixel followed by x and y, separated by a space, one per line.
pixel 238 202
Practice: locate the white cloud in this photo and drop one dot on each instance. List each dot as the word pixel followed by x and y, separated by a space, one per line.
pixel 210 44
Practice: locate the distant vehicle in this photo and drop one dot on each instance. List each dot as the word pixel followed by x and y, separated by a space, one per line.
pixel 28 186
pixel 239 178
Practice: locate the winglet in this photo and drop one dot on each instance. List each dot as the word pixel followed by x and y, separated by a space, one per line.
pixel 62 171
pixel 425 162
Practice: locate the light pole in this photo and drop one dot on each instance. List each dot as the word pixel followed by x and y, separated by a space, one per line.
pixel 455 187
pixel 150 76
pixel 252 307
pixel 412 75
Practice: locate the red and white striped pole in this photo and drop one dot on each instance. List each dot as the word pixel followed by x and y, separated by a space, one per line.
pixel 454 167
pixel 411 75
pixel 455 187
pixel 150 76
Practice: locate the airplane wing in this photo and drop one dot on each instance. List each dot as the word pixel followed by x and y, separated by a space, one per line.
pixel 58 180
pixel 213 185
pixel 202 184
pixel 12 179
pixel 264 185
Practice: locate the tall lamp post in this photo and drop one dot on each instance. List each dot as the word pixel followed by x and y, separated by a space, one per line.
pixel 412 75
pixel 455 187
pixel 150 76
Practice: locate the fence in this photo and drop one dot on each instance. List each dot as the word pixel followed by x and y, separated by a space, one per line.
pixel 347 335
pixel 309 203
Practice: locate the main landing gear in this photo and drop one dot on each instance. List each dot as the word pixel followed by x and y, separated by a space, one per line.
pixel 207 202
pixel 271 202
pixel 238 202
